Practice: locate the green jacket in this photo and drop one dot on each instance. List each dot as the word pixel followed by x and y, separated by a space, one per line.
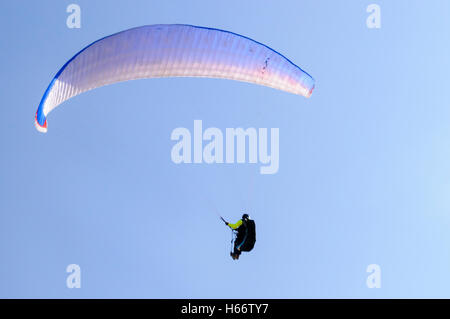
pixel 237 225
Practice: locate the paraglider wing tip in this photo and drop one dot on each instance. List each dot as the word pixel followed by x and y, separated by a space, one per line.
pixel 308 94
pixel 39 127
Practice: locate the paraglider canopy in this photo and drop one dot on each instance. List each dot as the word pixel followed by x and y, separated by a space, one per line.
pixel 173 50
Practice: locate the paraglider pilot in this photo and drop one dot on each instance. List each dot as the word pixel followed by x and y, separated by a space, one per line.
pixel 246 235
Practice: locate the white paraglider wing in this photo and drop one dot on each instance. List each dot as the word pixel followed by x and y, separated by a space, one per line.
pixel 171 51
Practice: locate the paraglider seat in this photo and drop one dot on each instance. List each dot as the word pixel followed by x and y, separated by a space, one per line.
pixel 249 239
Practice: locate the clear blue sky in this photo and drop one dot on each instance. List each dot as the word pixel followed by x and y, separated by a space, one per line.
pixel 364 172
